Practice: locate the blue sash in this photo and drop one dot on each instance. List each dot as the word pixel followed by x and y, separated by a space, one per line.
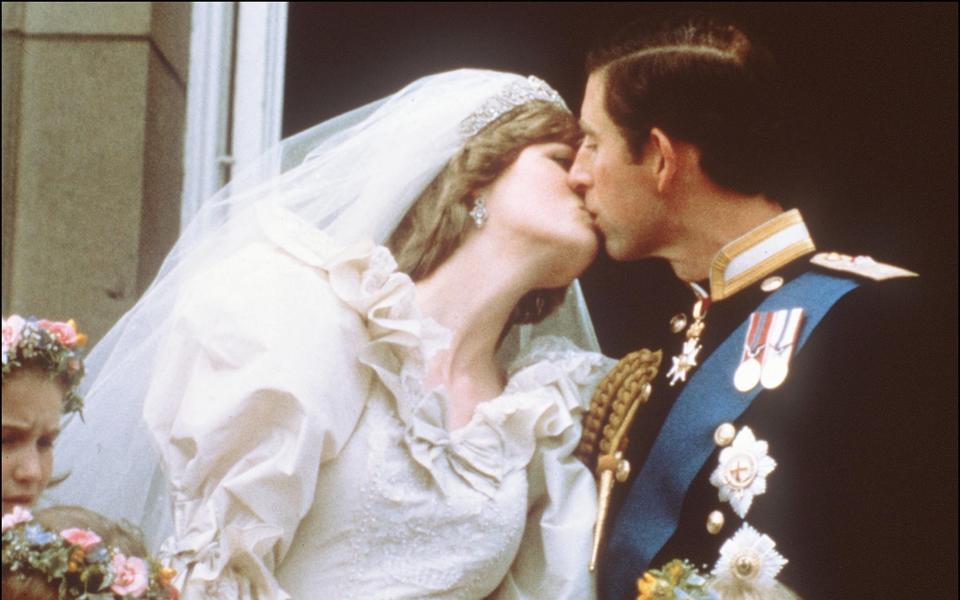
pixel 650 514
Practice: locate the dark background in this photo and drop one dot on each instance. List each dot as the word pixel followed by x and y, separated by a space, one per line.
pixel 874 85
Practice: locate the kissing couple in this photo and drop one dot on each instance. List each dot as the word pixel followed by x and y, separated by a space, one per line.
pixel 366 369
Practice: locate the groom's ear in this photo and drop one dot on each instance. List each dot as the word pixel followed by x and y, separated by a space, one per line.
pixel 664 159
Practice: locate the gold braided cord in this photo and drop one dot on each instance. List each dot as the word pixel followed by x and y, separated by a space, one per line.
pixel 599 408
pixel 634 391
pixel 614 404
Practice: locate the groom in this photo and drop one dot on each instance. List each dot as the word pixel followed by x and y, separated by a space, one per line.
pixel 783 445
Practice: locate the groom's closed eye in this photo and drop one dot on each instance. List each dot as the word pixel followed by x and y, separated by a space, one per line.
pixel 587 148
pixel 589 141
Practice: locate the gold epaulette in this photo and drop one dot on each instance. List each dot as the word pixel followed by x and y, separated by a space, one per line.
pixel 864 266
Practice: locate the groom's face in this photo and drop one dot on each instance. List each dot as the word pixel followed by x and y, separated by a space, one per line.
pixel 620 192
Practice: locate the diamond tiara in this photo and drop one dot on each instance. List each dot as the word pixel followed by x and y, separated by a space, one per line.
pixel 515 94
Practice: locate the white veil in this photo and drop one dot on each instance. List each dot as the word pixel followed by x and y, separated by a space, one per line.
pixel 354 177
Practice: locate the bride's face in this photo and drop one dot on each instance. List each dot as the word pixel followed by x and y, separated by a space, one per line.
pixel 533 201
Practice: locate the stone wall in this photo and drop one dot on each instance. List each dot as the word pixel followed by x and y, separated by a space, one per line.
pixel 94 103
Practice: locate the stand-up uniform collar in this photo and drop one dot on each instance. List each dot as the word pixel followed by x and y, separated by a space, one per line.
pixel 758 253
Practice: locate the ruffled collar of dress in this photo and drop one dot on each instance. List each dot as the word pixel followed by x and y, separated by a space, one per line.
pixel 542 398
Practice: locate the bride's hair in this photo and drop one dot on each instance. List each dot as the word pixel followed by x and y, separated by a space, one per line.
pixel 439 220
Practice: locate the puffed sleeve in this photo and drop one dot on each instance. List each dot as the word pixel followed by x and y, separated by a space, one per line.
pixel 256 387
pixel 554 554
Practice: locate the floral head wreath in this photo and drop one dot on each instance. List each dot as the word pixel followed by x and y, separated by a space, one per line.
pixel 54 346
pixel 79 562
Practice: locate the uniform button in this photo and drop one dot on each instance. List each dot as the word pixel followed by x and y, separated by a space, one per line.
pixel 724 434
pixel 678 323
pixel 771 284
pixel 715 522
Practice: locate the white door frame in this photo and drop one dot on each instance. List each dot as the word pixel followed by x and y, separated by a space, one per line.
pixel 234 92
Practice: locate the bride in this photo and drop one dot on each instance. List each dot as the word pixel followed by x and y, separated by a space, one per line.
pixel 336 418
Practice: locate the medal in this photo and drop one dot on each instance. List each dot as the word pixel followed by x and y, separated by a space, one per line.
pixel 747 375
pixel 776 357
pixel 742 472
pixel 687 359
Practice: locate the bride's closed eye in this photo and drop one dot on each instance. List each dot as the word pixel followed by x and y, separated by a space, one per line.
pixel 563 156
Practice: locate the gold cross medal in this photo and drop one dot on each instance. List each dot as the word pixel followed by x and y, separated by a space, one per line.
pixel 684 362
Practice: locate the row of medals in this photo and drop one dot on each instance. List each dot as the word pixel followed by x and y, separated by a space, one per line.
pixel 762 362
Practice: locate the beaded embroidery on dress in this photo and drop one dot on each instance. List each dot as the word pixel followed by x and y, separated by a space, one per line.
pixel 400 507
pixel 460 498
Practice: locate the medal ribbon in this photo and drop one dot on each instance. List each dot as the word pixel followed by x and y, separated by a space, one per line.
pixel 755 343
pixel 749 343
pixel 788 327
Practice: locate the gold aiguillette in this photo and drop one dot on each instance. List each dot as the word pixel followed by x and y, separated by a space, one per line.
pixel 612 411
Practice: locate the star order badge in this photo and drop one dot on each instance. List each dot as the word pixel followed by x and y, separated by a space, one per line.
pixel 748 566
pixel 742 472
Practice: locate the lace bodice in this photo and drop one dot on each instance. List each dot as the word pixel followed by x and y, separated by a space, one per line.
pixel 349 484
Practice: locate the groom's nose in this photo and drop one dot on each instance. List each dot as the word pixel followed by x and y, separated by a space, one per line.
pixel 578 177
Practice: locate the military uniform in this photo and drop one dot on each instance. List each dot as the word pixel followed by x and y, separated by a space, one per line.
pixel 840 464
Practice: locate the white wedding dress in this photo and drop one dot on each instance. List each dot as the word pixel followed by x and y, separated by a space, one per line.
pixel 261 407
pixel 306 460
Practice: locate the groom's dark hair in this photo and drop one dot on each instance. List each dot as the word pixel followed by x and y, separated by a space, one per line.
pixel 704 81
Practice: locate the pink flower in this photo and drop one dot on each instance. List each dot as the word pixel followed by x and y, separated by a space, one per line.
pixel 60 330
pixel 11 332
pixel 129 576
pixel 15 517
pixel 84 538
